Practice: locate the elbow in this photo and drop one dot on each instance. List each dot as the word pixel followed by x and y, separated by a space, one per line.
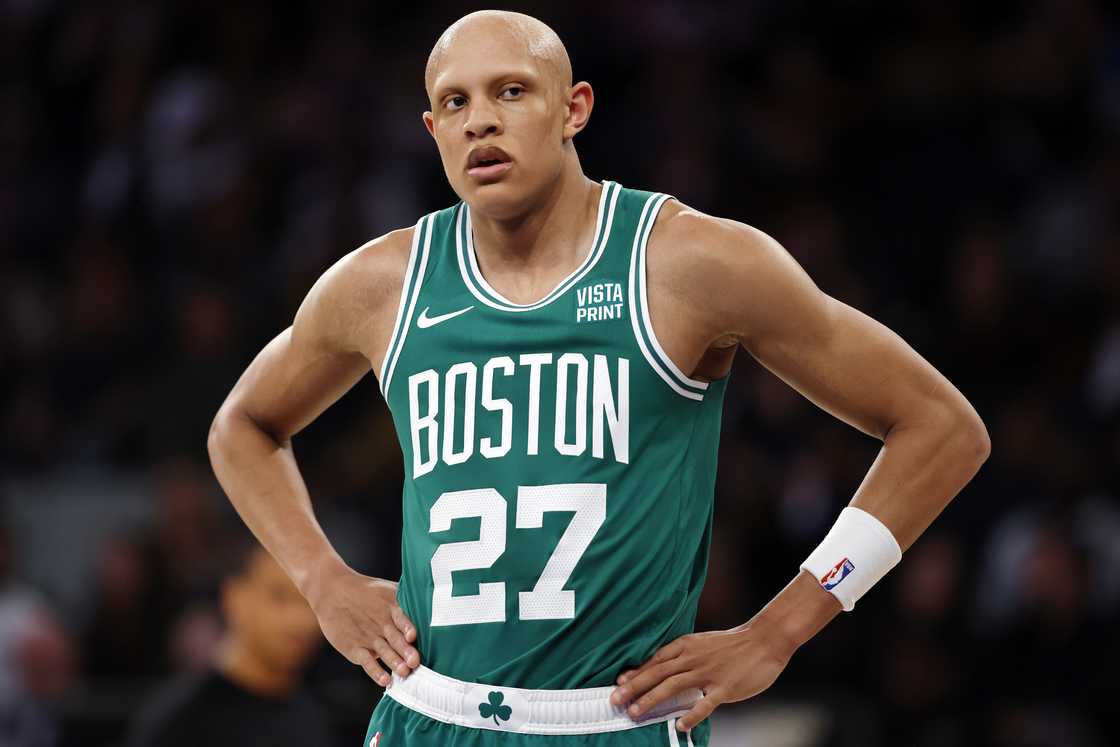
pixel 216 435
pixel 984 441
pixel 971 439
pixel 223 429
pixel 232 426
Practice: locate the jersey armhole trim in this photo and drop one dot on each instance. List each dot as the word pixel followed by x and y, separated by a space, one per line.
pixel 647 341
pixel 410 291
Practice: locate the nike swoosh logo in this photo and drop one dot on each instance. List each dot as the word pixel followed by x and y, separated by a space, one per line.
pixel 424 321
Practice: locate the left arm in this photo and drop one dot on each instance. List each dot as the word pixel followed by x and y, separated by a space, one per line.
pixel 749 291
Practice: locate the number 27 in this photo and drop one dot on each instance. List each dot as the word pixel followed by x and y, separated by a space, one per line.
pixel 548 600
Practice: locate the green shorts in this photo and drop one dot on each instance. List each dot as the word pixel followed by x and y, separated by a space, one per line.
pixel 399 726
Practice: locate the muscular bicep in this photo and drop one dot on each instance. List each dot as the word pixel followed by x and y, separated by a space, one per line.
pixel 852 367
pixel 291 382
pixel 843 360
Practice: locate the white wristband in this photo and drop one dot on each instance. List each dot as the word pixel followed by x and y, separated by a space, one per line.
pixel 854 555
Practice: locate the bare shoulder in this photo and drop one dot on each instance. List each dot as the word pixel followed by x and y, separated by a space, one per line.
pixel 687 241
pixel 375 269
pixel 708 266
pixel 352 306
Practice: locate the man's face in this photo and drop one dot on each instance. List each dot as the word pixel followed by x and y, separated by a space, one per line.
pixel 267 612
pixel 492 99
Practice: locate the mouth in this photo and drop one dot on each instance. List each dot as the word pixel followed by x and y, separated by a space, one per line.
pixel 488 163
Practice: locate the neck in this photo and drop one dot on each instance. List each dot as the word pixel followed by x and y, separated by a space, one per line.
pixel 554 232
pixel 236 661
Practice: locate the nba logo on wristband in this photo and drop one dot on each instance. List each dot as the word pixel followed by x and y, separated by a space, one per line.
pixel 838 573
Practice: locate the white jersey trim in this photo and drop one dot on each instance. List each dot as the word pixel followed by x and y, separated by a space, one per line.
pixel 639 311
pixel 674 740
pixel 642 273
pixel 407 305
pixel 671 726
pixel 554 712
pixel 484 292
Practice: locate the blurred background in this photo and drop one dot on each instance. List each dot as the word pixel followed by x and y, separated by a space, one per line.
pixel 175 175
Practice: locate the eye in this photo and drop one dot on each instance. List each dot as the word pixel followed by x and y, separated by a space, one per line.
pixel 514 92
pixel 456 102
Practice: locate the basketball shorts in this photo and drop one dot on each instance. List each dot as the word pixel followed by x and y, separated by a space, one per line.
pixel 428 709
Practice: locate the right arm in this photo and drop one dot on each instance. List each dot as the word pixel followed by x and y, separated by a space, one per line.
pixel 340 331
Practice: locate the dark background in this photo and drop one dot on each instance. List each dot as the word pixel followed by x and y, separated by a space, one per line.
pixel 175 175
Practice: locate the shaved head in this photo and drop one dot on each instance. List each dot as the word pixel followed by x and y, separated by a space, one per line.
pixel 504 112
pixel 536 38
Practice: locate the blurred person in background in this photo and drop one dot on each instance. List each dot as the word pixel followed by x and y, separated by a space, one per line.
pixel 252 692
pixel 37 660
pixel 157 579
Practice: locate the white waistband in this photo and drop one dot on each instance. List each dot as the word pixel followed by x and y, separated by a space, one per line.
pixel 480 706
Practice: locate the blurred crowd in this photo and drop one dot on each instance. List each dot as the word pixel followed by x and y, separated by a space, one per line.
pixel 175 175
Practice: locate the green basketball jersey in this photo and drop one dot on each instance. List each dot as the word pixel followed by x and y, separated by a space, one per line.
pixel 559 468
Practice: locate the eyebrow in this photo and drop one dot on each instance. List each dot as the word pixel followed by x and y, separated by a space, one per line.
pixel 525 74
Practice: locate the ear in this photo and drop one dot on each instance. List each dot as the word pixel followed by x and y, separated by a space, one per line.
pixel 429 123
pixel 580 101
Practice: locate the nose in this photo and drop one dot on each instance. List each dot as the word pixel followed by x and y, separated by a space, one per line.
pixel 482 120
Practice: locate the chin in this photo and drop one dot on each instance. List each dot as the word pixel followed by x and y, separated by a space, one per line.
pixel 501 200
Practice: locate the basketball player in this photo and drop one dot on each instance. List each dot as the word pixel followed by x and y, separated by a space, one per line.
pixel 554 352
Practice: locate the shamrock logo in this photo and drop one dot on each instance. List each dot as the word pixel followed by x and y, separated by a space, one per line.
pixel 494 709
